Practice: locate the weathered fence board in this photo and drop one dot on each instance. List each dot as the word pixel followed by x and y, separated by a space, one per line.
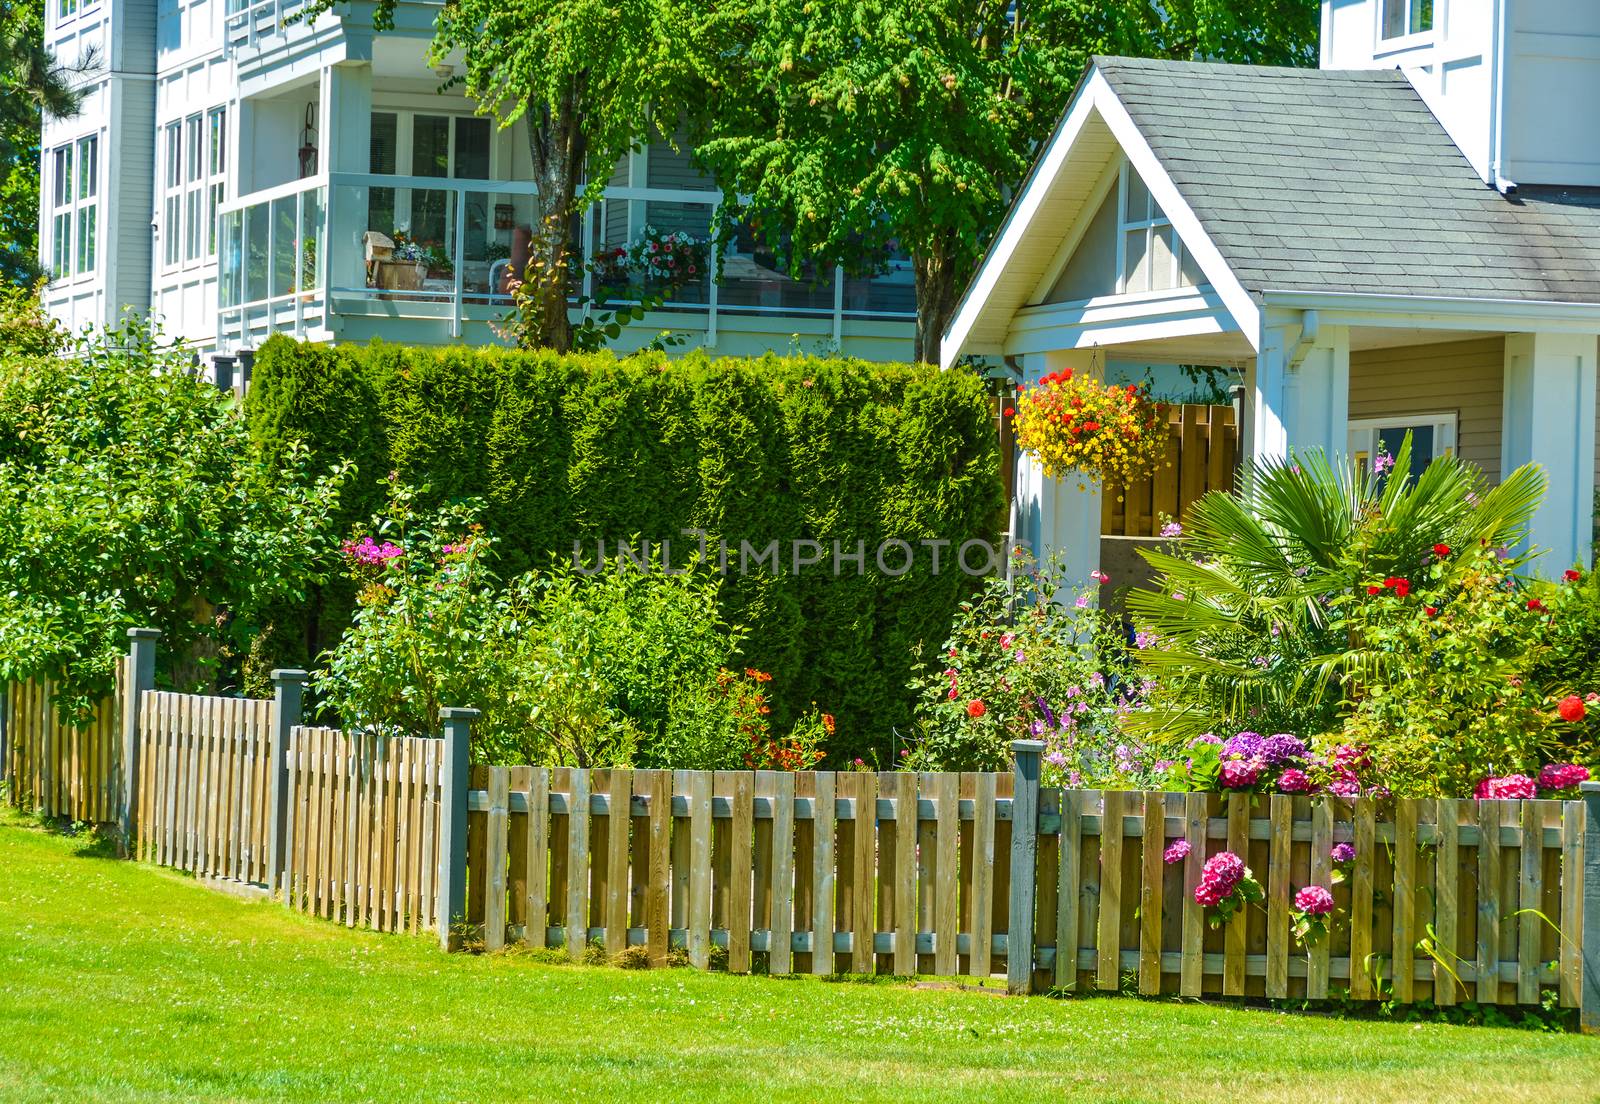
pixel 59 769
pixel 1202 455
pixel 205 762
pixel 914 865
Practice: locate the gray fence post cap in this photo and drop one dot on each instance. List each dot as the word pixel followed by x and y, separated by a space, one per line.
pixel 1020 746
pixel 289 674
pixel 144 634
pixel 458 713
pixel 1589 787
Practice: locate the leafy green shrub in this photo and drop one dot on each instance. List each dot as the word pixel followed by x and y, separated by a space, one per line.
pixel 611 669
pixel 566 450
pixel 1029 659
pixel 1389 612
pixel 129 496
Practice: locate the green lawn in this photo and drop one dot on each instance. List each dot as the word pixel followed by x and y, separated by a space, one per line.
pixel 122 982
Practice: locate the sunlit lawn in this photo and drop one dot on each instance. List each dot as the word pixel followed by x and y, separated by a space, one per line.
pixel 123 982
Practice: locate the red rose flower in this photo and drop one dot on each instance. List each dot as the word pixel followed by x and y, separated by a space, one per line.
pixel 1535 605
pixel 976 708
pixel 1572 575
pixel 1572 709
pixel 1430 610
pixel 1372 590
pixel 1402 587
pixel 1441 550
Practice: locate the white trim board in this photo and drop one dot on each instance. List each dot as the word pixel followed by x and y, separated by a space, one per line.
pixel 1096 99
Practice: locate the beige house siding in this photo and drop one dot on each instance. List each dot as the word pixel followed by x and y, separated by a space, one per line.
pixel 1466 377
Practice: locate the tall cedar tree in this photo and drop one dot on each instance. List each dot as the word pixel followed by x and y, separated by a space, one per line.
pixel 593 78
pixel 839 128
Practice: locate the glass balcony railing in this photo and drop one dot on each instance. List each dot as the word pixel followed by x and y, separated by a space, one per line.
pixel 271 267
pixel 248 21
pixel 445 249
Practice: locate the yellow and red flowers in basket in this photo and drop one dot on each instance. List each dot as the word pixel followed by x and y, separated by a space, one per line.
pixel 1074 423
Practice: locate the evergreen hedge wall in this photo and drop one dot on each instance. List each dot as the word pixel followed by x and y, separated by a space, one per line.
pixel 580 448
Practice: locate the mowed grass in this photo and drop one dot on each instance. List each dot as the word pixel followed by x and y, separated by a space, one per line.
pixel 122 982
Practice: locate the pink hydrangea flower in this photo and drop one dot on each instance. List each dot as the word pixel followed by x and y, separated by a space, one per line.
pixel 1218 878
pixel 1314 900
pixel 1240 773
pixel 1176 852
pixel 1512 787
pixel 1562 776
pixel 1294 781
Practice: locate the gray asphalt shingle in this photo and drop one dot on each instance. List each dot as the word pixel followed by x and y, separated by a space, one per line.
pixel 1327 180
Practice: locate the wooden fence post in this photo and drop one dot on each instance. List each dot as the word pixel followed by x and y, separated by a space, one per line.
pixel 1024 864
pixel 288 700
pixel 453 820
pixel 1589 991
pixel 141 677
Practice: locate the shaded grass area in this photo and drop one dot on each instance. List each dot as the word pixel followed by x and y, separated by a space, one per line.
pixel 122 982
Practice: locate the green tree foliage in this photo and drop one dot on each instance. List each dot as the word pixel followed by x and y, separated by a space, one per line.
pixel 32 84
pixel 579 448
pixel 591 78
pixel 841 128
pixel 129 497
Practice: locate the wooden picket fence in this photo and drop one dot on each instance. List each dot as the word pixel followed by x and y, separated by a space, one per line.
pixel 56 769
pixel 363 836
pixel 787 865
pixel 1202 455
pixel 819 872
pixel 203 784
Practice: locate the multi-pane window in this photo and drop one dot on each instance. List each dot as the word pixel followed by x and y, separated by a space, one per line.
pixel 1406 17
pixel 1151 255
pixel 172 194
pixel 88 202
pixel 74 207
pixel 216 171
pixel 193 178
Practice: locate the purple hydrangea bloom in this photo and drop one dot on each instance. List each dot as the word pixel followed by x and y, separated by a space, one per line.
pixel 1283 748
pixel 1343 853
pixel 1246 745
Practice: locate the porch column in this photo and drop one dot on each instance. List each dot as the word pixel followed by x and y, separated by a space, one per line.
pixel 1301 388
pixel 344 114
pixel 1053 515
pixel 1549 420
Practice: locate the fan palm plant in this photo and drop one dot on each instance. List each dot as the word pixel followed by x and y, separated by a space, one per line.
pixel 1252 627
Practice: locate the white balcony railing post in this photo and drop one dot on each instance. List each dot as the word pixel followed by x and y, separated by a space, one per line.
pixel 460 262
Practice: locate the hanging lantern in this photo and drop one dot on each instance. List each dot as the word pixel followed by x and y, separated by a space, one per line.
pixel 308 143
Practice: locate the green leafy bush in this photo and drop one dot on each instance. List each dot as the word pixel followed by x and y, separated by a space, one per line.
pixel 1029 659
pixel 129 496
pixel 617 668
pixel 1388 612
pixel 587 447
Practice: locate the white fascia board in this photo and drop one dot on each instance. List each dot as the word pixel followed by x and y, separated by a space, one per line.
pixel 1096 97
pixel 1352 308
pixel 1107 323
pixel 1015 230
pixel 1240 303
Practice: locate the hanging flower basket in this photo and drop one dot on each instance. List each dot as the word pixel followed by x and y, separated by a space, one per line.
pixel 1075 425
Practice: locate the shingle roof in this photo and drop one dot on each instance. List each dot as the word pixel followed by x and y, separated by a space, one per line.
pixel 1343 180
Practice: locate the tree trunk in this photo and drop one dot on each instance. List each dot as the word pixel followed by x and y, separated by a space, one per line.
pixel 556 144
pixel 936 300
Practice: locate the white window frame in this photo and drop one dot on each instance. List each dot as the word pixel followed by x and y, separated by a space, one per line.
pixel 171 170
pixel 1364 433
pixel 1411 35
pixel 194 205
pixel 1155 222
pixel 405 147
pixel 216 179
pixel 61 190
pixel 74 197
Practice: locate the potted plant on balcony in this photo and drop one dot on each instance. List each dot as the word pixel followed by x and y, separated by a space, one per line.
pixel 440 265
pixel 396 262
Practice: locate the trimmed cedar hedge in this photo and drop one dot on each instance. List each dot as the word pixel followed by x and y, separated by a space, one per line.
pixel 579 448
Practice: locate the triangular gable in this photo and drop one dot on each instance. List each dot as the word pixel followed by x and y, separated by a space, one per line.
pixel 1057 196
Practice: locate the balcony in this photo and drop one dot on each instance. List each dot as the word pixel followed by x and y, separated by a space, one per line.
pixel 276 275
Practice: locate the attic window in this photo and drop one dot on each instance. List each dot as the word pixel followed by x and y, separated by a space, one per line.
pixel 1150 256
pixel 1405 17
